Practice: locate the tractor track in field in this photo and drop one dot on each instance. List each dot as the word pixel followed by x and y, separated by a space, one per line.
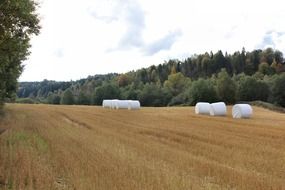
pixel 74 122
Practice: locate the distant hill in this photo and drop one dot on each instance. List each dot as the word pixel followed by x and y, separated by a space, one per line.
pixel 241 76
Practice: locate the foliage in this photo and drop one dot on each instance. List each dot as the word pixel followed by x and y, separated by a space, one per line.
pixel 225 77
pixel 25 101
pixel 250 89
pixel 153 95
pixel 83 99
pixel 265 69
pixel 268 106
pixel 123 80
pixel 18 22
pixel 202 91
pixel 226 87
pixel 180 99
pixel 106 91
pixel 53 99
pixel 130 92
pixel 41 89
pixel 176 83
pixel 67 98
pixel 278 90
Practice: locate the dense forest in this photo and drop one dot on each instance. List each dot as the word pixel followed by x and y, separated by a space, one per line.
pixel 241 76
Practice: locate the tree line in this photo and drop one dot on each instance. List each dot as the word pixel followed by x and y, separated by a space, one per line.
pixel 241 76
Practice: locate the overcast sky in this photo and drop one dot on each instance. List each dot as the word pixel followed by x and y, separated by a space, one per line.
pixel 88 37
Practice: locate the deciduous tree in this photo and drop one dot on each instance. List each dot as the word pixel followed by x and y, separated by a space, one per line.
pixel 226 88
pixel 67 98
pixel 18 22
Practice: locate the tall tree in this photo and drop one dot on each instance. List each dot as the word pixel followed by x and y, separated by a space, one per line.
pixel 67 98
pixel 176 83
pixel 153 95
pixel 83 99
pixel 202 91
pixel 106 91
pixel 18 22
pixel 278 90
pixel 268 56
pixel 278 57
pixel 219 62
pixel 226 88
pixel 123 80
pixel 265 69
pixel 251 89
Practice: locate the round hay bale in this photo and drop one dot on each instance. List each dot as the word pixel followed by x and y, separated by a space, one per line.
pixel 202 108
pixel 134 105
pixel 218 109
pixel 114 103
pixel 241 111
pixel 122 104
pixel 107 103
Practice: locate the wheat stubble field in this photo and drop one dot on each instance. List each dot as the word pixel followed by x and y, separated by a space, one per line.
pixel 77 147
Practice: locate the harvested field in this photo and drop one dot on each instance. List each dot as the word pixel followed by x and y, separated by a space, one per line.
pixel 81 147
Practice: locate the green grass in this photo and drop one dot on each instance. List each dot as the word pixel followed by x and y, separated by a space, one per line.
pixel 29 140
pixel 25 101
pixel 268 106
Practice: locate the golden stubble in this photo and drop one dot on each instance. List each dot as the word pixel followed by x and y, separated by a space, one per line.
pixel 85 147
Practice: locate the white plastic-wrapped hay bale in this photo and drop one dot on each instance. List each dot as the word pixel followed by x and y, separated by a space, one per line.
pixel 134 105
pixel 202 108
pixel 242 111
pixel 113 104
pixel 218 109
pixel 107 103
pixel 122 104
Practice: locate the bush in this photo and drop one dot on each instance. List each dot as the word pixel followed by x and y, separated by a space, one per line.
pixel 53 99
pixel 129 93
pixel 180 99
pixel 176 83
pixel 106 91
pixel 278 90
pixel 25 101
pixel 250 89
pixel 265 69
pixel 83 99
pixel 154 95
pixel 202 90
pixel 267 105
pixel 67 98
pixel 226 87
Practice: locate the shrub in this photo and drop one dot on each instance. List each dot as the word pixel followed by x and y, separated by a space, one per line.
pixel 250 89
pixel 202 90
pixel 278 90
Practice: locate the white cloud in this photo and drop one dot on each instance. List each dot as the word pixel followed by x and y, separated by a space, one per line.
pixel 77 37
